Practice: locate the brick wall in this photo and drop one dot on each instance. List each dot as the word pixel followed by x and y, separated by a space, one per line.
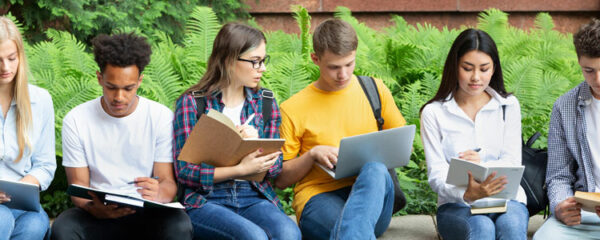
pixel 568 15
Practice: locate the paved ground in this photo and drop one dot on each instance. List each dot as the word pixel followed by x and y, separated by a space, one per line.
pixel 422 227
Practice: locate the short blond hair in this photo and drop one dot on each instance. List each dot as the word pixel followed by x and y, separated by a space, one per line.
pixel 336 36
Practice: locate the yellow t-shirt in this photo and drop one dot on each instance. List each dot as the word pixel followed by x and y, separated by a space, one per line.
pixel 315 117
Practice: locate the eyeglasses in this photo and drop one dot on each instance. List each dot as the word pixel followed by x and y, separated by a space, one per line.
pixel 256 64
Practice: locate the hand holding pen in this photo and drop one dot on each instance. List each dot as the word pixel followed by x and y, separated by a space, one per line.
pixel 147 187
pixel 246 130
pixel 470 155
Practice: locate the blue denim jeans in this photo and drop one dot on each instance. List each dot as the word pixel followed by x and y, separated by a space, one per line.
pixel 18 224
pixel 236 210
pixel 363 211
pixel 454 221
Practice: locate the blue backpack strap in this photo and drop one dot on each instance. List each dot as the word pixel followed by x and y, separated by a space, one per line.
pixel 370 88
pixel 267 104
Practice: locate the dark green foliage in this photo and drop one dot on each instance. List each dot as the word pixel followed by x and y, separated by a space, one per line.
pixel 539 65
pixel 88 18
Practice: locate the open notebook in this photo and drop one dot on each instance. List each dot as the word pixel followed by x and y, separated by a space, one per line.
pixel 119 199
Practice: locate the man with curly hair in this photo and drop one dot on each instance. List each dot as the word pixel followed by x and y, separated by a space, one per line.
pixel 573 147
pixel 120 142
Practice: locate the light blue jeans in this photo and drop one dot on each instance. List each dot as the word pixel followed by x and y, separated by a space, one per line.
pixel 454 221
pixel 235 210
pixel 363 211
pixel 18 224
pixel 554 229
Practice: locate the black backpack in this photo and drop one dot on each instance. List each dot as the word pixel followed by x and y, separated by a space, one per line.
pixel 370 88
pixel 534 175
pixel 267 107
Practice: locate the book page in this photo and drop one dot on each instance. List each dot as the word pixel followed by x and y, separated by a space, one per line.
pixel 513 176
pixel 457 172
pixel 222 118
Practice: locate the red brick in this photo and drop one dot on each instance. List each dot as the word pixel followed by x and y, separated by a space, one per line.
pixel 282 6
pixel 391 5
pixel 531 6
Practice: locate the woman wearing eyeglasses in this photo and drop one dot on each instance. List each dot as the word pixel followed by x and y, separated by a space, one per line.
pixel 221 203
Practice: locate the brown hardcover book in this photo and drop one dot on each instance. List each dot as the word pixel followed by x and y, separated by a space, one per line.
pixel 588 200
pixel 216 141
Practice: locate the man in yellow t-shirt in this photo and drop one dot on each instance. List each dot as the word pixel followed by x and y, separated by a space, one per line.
pixel 313 122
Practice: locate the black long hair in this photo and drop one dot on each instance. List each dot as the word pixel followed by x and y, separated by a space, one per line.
pixel 468 40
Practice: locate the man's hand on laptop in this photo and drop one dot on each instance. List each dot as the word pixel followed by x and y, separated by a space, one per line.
pixel 109 211
pixel 326 155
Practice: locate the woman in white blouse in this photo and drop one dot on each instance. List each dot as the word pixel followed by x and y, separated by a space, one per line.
pixel 472 117
pixel 27 137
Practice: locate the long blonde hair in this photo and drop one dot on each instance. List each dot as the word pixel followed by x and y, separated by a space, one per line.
pixel 9 31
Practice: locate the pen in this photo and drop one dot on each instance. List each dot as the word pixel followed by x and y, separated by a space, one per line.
pixel 477 149
pixel 133 182
pixel 249 119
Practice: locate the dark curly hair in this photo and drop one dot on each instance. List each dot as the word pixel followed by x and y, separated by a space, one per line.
pixel 587 40
pixel 122 50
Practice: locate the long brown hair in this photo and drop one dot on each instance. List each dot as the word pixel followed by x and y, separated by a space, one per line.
pixel 10 32
pixel 233 40
pixel 468 40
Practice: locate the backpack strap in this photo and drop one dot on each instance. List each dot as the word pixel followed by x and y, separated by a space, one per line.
pixel 370 88
pixel 267 104
pixel 200 103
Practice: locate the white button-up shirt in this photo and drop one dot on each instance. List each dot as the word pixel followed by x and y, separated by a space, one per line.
pixel 446 130
pixel 40 161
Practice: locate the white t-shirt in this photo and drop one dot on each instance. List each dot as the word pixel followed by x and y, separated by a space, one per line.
pixel 592 122
pixel 234 113
pixel 117 150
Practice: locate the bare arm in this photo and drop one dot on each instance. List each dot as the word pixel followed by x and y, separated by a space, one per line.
pixel 294 170
pixel 161 190
pixel 81 176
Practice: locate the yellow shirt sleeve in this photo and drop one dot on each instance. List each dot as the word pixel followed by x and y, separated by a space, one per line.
pixel 292 144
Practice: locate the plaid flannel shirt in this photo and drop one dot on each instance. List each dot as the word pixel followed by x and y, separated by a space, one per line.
pixel 198 179
pixel 570 162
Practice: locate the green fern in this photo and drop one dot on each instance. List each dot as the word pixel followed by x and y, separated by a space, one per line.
pixel 201 29
pixel 495 23
pixel 303 18
pixel 287 76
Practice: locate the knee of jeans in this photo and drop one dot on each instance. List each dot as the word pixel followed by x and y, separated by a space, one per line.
pixel 36 223
pixel 287 230
pixel 482 224
pixel 254 233
pixel 454 229
pixel 7 221
pixel 374 168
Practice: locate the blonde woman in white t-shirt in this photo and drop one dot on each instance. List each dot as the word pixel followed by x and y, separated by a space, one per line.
pixel 472 117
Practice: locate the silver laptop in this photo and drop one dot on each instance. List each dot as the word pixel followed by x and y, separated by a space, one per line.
pixel 392 147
